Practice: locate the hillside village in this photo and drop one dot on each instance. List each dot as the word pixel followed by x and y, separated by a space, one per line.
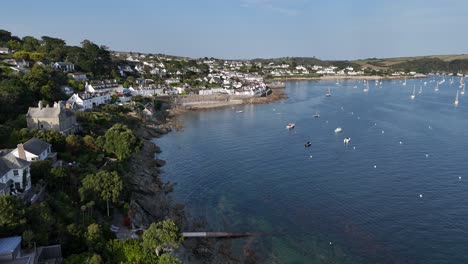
pixel 71 113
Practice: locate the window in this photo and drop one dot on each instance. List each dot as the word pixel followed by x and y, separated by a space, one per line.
pixel 15 172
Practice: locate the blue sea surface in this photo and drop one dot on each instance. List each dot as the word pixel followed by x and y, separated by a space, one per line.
pixel 398 193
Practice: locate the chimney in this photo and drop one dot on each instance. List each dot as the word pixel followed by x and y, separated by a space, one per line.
pixel 40 105
pixel 56 105
pixel 21 152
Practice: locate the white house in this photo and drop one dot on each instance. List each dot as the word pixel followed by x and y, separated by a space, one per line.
pixel 63 66
pixel 15 175
pixel 84 101
pixel 102 86
pixel 4 50
pixel 35 149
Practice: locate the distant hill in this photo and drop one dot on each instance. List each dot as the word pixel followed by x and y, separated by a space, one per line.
pixel 424 64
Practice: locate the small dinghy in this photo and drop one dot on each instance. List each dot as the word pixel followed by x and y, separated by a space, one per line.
pixel 338 130
pixel 347 140
pixel 308 144
pixel 291 126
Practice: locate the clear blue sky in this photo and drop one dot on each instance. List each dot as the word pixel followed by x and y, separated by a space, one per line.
pixel 234 29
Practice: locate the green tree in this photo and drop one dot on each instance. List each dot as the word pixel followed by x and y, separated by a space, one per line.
pixel 161 235
pixel 120 141
pixel 105 185
pixel 36 56
pixel 53 137
pixel 168 259
pixel 41 221
pixel 89 142
pixel 125 251
pixel 28 237
pixel 40 170
pixel 74 143
pixel 94 238
pixel 13 92
pixel 30 44
pixel 14 44
pixel 12 214
pixel 21 55
pixel 58 178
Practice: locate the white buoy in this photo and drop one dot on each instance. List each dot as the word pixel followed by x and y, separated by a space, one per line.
pixel 383 132
pixel 401 142
pixel 330 242
pixel 427 155
pixel 310 156
pixel 354 147
pixel 375 124
pixel 358 117
pixel 430 127
pixel 375 166
pixel 420 195
pixel 459 177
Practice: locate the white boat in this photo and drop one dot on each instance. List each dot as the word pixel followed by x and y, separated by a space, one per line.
pixel 366 88
pixel 338 130
pixel 316 115
pixel 404 83
pixel 291 126
pixel 463 90
pixel 437 87
pixel 414 93
pixel 346 140
pixel 420 90
pixel 328 94
pixel 456 100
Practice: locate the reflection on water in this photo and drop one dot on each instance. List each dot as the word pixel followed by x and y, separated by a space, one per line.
pixel 331 203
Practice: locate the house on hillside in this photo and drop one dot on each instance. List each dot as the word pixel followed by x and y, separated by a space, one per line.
pixel 4 50
pixel 11 253
pixel 84 101
pixel 59 118
pixel 63 66
pixel 102 86
pixel 78 76
pixel 20 63
pixel 15 177
pixel 34 150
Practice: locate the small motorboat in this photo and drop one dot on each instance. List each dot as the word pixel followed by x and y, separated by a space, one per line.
pixel 347 140
pixel 291 126
pixel 308 144
pixel 316 115
pixel 338 130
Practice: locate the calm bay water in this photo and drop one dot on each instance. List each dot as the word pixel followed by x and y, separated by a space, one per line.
pixel 332 203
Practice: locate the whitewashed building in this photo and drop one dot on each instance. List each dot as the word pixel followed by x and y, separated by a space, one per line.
pixel 84 101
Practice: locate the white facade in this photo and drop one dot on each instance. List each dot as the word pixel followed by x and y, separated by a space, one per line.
pixel 86 101
pixel 16 175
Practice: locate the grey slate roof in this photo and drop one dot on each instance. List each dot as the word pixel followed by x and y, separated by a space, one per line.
pixel 9 244
pixel 36 146
pixel 47 112
pixel 10 162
